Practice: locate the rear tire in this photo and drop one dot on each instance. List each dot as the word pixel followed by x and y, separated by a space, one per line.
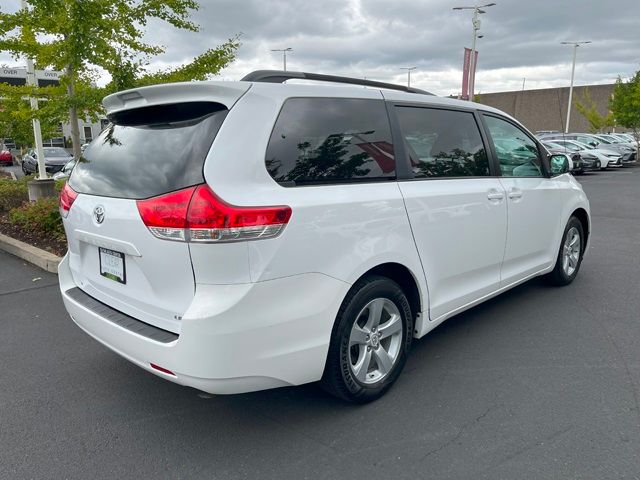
pixel 570 254
pixel 370 341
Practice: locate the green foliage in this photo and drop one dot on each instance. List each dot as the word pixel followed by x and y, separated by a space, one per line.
pixel 12 194
pixel 201 68
pixel 78 36
pixel 588 109
pixel 41 216
pixel 17 115
pixel 625 103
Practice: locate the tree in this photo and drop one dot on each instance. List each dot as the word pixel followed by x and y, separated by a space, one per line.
pixel 625 105
pixel 75 36
pixel 17 115
pixel 588 109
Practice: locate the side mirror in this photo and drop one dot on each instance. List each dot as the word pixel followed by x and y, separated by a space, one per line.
pixel 559 165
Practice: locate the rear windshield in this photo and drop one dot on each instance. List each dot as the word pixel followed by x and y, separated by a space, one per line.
pixel 149 153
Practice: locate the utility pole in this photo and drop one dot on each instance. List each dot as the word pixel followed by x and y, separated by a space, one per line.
pixel 475 22
pixel 573 69
pixel 284 55
pixel 408 69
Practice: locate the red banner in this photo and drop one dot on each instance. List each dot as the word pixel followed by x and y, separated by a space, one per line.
pixel 466 65
pixel 468 76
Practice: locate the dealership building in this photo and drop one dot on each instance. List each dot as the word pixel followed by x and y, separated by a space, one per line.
pixel 546 109
pixel 88 130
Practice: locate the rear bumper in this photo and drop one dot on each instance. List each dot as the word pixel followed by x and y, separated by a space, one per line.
pixel 233 338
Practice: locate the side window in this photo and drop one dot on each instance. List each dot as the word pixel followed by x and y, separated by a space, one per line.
pixel 331 140
pixel 517 153
pixel 443 143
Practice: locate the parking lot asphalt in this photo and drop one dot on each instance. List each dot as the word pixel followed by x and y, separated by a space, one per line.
pixel 540 382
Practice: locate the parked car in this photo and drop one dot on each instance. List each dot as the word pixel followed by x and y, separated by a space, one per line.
pixel 607 158
pixel 9 143
pixel 617 141
pixel 5 156
pixel 83 147
pixel 628 155
pixel 589 162
pixel 55 158
pixel 304 232
pixel 576 166
pixel 66 170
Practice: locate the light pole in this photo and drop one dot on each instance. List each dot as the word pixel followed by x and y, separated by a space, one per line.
pixel 477 10
pixel 573 69
pixel 408 69
pixel 284 55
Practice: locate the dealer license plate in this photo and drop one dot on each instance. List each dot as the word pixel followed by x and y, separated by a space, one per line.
pixel 112 265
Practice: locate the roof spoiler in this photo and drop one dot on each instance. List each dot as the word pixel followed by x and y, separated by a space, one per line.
pixel 225 93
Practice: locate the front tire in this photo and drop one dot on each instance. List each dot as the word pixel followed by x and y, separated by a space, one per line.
pixel 369 342
pixel 570 254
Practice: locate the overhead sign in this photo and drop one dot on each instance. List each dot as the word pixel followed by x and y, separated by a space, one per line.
pixel 47 74
pixel 13 72
pixel 18 76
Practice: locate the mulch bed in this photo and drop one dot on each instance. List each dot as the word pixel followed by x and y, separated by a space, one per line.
pixel 39 240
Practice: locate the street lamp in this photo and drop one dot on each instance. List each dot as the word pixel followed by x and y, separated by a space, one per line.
pixel 477 10
pixel 573 69
pixel 408 69
pixel 284 55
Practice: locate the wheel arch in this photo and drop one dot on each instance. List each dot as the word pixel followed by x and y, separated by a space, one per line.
pixel 582 215
pixel 410 285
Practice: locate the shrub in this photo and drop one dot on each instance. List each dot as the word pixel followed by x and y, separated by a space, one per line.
pixel 12 194
pixel 39 216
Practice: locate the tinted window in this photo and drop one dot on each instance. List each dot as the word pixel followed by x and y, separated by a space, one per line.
pixel 331 140
pixel 517 153
pixel 143 160
pixel 443 143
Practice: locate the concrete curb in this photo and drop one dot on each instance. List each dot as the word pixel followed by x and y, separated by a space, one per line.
pixel 40 258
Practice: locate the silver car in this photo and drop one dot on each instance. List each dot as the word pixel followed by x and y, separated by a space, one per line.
pixel 55 158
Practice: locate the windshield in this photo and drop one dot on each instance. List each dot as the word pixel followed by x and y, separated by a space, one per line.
pixel 571 146
pixel 583 146
pixel 55 152
pixel 553 146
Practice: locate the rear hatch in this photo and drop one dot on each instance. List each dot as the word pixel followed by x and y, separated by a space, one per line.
pixel 155 145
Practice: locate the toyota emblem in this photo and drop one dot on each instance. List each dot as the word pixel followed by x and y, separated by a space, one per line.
pixel 98 214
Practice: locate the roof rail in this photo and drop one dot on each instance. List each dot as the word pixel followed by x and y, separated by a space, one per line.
pixel 280 76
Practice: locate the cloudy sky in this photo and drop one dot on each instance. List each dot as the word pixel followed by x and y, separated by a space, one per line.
pixel 376 38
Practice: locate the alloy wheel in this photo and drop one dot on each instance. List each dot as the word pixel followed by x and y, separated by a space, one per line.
pixel 571 251
pixel 375 341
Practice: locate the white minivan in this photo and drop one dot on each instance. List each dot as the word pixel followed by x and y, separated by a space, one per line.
pixel 238 236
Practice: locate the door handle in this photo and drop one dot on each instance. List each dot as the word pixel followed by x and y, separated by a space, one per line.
pixel 515 193
pixel 495 195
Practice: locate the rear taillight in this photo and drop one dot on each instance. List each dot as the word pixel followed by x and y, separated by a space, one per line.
pixel 67 197
pixel 196 214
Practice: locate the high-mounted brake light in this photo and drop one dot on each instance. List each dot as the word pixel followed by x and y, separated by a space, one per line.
pixel 197 214
pixel 67 197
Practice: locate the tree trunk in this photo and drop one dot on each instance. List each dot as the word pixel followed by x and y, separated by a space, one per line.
pixel 73 113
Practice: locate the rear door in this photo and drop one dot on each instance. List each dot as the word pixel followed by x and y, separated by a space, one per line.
pixel 146 152
pixel 533 200
pixel 455 204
